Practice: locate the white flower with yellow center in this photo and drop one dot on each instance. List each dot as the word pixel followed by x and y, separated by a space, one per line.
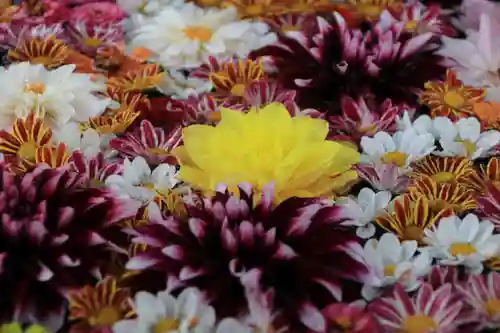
pixel 465 242
pixel 400 149
pixel 464 138
pixel 392 262
pixel 57 96
pixel 177 85
pixel 185 36
pixel 166 314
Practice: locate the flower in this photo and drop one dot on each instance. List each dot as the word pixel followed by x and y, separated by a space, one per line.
pixel 488 204
pixel 95 13
pixel 227 233
pixel 184 37
pixel 152 143
pixel 137 80
pixel 140 183
pixel 384 177
pixel 202 109
pixel 351 317
pixel 53 237
pixel 164 313
pixel 426 311
pixel 394 262
pixel 95 169
pixel 363 209
pixel 98 307
pixel 481 296
pixel 179 86
pixel 288 164
pixel 55 96
pixel 89 141
pixel 50 53
pixel 89 38
pixel 358 120
pixel 409 219
pixel 458 170
pixel 400 149
pixel 451 98
pixel 17 328
pixel 477 58
pixel 488 114
pixel 465 242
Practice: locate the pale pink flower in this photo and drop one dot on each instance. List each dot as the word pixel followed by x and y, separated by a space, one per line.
pixel 384 177
pixel 472 11
pixel 97 13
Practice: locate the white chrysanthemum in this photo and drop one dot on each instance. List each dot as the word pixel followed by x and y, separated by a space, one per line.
pixel 391 262
pixel 89 142
pixel 401 148
pixel 147 7
pixel 57 96
pixel 177 85
pixel 164 313
pixel 363 209
pixel 464 138
pixel 140 183
pixel 184 37
pixel 465 242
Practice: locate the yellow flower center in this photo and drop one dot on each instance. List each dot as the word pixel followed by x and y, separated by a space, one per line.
pixel 92 42
pixel 166 325
pixel 254 10
pixel 96 182
pixel 389 270
pixel 411 25
pixel 492 307
pixel 453 99
pixel 238 89
pixel 370 10
pixel 464 249
pixel 37 87
pixel 107 316
pixel 344 322
pixel 418 324
pixel 469 146
pixel 443 177
pixel 438 205
pixel 201 33
pixel 413 232
pixel 27 151
pixel 394 157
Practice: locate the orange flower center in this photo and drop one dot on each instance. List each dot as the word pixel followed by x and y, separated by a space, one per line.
pixel 37 87
pixel 443 177
pixel 463 249
pixel 395 157
pixel 492 307
pixel 238 89
pixel 107 316
pixel 453 99
pixel 413 232
pixel 389 270
pixel 438 205
pixel 344 322
pixel 27 151
pixel 201 33
pixel 418 324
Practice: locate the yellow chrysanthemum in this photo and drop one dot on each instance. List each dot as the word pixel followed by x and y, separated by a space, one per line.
pixel 263 146
pixel 17 328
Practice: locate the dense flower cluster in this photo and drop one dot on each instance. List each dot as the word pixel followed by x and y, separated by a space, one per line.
pixel 249 166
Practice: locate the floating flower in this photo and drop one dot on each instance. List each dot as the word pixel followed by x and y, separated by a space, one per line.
pixel 184 37
pixel 409 219
pixel 394 262
pixel 202 109
pixel 400 149
pixel 179 86
pixel 164 313
pixel 55 96
pixel 370 10
pixel 352 317
pixel 52 237
pixel 488 114
pixel 152 143
pixel 299 141
pixel 458 170
pixel 88 39
pixel 137 80
pixel 465 242
pixel 95 169
pixel 53 156
pixel 96 13
pixel 488 204
pixel 100 307
pixel 228 232
pixel 384 177
pixel 451 98
pixel 18 328
pixel 50 53
pixel 426 311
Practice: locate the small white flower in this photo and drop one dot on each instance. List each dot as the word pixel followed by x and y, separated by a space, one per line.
pixel 163 313
pixel 179 86
pixel 89 142
pixel 464 138
pixel 140 183
pixel 363 210
pixel 465 242
pixel 391 262
pixel 56 96
pixel 423 124
pixel 186 36
pixel 401 148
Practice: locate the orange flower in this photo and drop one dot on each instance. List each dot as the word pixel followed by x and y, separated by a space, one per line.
pixel 370 10
pixel 262 8
pixel 451 98
pixel 112 59
pixel 53 156
pixel 488 113
pixel 99 307
pixel 234 76
pixel 50 53
pixel 138 80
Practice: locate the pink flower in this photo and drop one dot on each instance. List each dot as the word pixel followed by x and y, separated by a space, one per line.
pixel 96 13
pixel 384 177
pixel 349 318
pixel 42 12
pixel 472 11
pixel 425 312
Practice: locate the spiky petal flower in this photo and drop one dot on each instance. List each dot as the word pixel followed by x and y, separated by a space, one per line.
pixel 489 204
pixel 427 311
pixel 95 169
pixel 353 318
pixel 227 233
pixel 384 177
pixel 52 237
pixel 50 53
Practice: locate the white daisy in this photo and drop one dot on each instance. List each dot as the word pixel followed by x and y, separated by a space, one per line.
pixel 465 242
pixel 184 37
pixel 363 210
pixel 57 96
pixel 391 262
pixel 89 142
pixel 401 148
pixel 179 86
pixel 464 138
pixel 140 183
pixel 423 124
pixel 163 313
